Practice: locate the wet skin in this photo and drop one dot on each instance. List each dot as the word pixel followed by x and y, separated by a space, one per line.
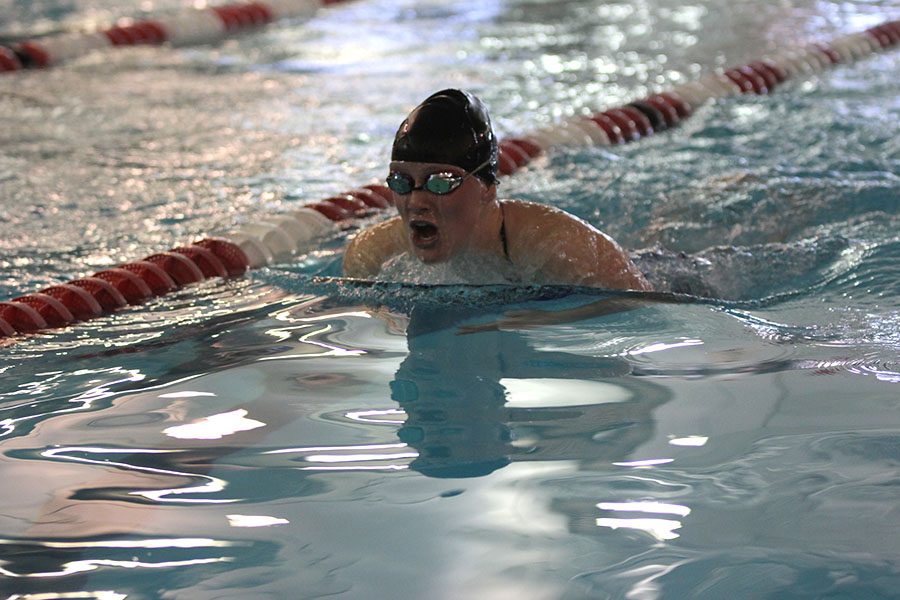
pixel 544 245
pixel 439 227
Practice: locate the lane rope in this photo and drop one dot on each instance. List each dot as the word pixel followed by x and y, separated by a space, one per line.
pixel 279 237
pixel 183 28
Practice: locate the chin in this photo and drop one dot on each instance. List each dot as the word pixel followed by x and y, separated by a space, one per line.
pixel 431 256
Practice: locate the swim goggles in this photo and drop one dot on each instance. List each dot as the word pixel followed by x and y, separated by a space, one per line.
pixel 439 184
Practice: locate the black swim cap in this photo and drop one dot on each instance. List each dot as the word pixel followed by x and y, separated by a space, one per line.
pixel 451 127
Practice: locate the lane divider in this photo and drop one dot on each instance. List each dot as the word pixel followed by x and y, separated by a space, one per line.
pixel 664 110
pixel 276 238
pixel 184 28
pixel 273 239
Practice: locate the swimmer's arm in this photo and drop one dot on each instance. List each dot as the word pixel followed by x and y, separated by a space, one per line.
pixel 531 318
pixel 372 247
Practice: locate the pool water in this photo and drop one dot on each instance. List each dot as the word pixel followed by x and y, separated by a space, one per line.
pixel 289 434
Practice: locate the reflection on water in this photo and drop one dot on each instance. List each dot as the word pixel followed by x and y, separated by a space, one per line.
pixel 326 418
pixel 452 390
pixel 211 440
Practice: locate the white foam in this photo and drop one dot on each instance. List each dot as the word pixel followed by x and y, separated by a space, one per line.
pixel 459 270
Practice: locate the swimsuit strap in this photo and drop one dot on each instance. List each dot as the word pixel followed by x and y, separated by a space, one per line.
pixel 503 233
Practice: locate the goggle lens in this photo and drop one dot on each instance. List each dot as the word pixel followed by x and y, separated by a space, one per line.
pixel 399 183
pixel 442 184
pixel 439 184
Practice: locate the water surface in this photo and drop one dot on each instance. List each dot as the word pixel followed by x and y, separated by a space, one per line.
pixel 291 434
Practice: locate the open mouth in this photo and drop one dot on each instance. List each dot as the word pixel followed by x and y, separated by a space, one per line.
pixel 423 233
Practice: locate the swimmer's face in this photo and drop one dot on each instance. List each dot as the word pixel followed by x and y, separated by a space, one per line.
pixel 439 227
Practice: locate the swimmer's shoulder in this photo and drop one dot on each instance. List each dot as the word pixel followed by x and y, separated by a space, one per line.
pixel 372 246
pixel 567 249
pixel 537 233
pixel 531 225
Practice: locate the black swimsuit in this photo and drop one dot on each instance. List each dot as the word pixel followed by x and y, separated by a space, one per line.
pixel 503 233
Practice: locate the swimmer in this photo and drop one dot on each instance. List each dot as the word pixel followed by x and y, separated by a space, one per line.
pixel 443 176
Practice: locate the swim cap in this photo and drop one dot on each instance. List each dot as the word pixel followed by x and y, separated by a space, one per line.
pixel 451 127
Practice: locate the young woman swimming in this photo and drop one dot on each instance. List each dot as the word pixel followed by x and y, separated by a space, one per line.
pixel 443 175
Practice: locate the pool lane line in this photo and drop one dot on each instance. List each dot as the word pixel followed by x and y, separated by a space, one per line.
pixel 666 109
pixel 280 236
pixel 271 239
pixel 184 28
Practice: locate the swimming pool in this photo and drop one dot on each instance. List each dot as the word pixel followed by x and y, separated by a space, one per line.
pixel 291 435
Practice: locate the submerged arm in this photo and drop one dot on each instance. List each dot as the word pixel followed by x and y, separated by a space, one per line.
pixel 530 318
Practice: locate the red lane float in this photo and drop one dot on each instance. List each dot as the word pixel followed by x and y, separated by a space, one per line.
pixel 332 211
pixel 82 304
pixel 653 117
pixel 667 112
pixel 281 236
pixel 105 293
pixel 6 330
pixel 188 27
pixel 156 279
pixel 238 16
pixel 52 312
pixel 230 255
pixel 21 316
pixel 133 288
pixel 354 206
pixel 8 62
pixel 887 34
pixel 506 165
pixel 643 124
pixel 370 198
pixel 182 269
pixel 144 32
pixel 609 126
pixel 681 106
pixel 626 124
pixel 208 263
pixel 525 145
pixel 128 284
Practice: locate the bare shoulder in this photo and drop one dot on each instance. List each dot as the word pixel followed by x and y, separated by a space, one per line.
pixel 534 217
pixel 533 226
pixel 567 249
pixel 372 247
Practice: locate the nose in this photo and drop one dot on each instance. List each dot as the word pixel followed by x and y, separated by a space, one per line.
pixel 419 202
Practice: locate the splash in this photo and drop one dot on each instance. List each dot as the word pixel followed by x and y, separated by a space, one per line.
pixel 742 272
pixel 726 275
